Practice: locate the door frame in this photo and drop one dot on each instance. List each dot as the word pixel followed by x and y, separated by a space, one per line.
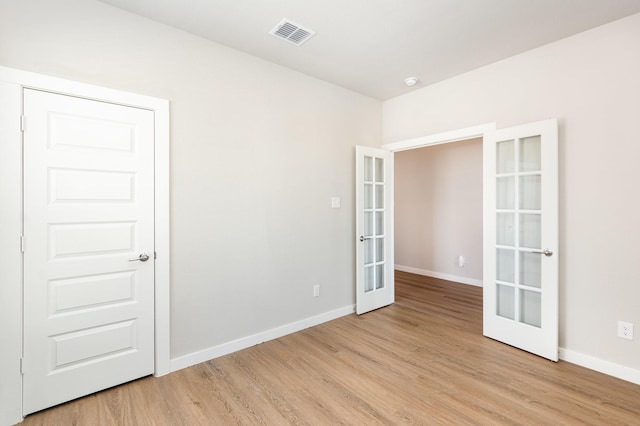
pixel 459 135
pixel 12 83
pixel 483 131
pixel 480 131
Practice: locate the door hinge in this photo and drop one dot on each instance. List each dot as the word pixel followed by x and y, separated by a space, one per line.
pixel 21 365
pixel 22 123
pixel 22 243
pixel 155 255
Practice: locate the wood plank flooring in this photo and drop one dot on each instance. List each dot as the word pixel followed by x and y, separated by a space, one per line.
pixel 420 361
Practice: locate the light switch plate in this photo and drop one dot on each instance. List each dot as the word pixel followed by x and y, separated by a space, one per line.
pixel 335 202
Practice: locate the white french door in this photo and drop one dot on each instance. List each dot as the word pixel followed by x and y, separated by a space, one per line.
pixel 521 237
pixel 374 229
pixel 88 247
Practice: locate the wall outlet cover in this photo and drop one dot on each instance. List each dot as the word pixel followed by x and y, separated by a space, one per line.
pixel 625 330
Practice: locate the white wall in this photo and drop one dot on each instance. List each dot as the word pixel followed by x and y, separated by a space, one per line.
pixel 257 151
pixel 438 210
pixel 590 83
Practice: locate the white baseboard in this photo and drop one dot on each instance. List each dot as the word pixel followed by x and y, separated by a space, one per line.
pixel 607 367
pixel 255 339
pixel 463 280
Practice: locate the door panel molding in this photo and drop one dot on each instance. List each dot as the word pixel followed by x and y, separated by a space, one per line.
pixel 12 81
pixel 85 236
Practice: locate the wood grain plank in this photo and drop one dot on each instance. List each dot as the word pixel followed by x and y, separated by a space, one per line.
pixel 422 360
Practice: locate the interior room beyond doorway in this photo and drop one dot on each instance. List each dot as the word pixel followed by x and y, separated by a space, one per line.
pixel 438 211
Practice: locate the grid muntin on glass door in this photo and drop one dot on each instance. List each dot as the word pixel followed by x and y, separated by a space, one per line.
pixel 374 221
pixel 518 230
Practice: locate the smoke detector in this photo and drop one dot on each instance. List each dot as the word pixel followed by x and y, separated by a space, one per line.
pixel 292 32
pixel 411 81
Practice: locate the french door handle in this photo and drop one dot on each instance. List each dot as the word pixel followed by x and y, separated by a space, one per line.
pixel 142 258
pixel 546 252
pixel 362 238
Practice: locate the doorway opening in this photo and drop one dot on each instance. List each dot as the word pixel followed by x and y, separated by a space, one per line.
pixel 438 205
pixel 438 211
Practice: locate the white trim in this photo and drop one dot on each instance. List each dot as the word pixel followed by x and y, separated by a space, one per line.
pixel 440 138
pixel 606 367
pixel 448 277
pixel 83 90
pixel 255 339
pixel 10 255
pixel 163 248
pixel 13 81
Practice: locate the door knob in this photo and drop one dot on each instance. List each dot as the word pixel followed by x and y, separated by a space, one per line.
pixel 362 238
pixel 546 252
pixel 142 258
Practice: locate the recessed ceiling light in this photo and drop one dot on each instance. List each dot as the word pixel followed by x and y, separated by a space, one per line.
pixel 411 81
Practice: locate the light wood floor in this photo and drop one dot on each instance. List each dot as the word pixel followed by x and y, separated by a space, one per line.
pixel 422 360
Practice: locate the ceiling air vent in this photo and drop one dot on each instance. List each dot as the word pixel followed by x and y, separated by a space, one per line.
pixel 292 32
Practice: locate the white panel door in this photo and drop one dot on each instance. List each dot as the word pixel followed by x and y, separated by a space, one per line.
pixel 521 237
pixel 374 229
pixel 88 211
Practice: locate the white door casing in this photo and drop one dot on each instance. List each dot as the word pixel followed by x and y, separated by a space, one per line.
pixel 521 237
pixel 88 210
pixel 374 229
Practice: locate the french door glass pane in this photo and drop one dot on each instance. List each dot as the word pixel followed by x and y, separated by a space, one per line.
pixel 368 224
pixel 374 224
pixel 368 169
pixel 505 158
pixel 518 225
pixel 379 277
pixel 505 267
pixel 368 278
pixel 530 269
pixel 530 308
pixel 506 301
pixel 379 170
pixel 379 223
pixel 505 229
pixel 530 192
pixel 530 154
pixel 368 252
pixel 379 196
pixel 368 196
pixel 379 249
pixel 505 193
pixel 530 231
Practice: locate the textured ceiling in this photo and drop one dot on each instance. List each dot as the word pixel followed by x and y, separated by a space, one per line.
pixel 371 46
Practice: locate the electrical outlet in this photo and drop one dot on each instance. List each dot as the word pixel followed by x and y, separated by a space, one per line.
pixel 625 330
pixel 316 290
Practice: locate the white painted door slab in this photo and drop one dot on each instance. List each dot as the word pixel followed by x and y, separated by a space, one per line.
pixel 521 237
pixel 374 229
pixel 88 210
